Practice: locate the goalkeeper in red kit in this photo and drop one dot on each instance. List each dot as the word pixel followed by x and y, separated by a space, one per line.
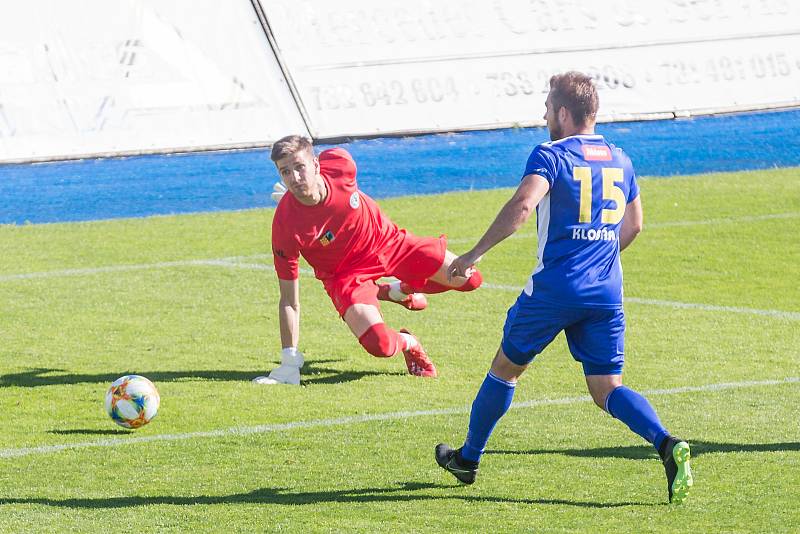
pixel 351 244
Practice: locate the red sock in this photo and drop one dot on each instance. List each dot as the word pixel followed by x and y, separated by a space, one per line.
pixel 473 282
pixel 430 287
pixel 381 341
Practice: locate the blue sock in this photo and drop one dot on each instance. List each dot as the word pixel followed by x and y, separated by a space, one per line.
pixel 633 409
pixel 489 406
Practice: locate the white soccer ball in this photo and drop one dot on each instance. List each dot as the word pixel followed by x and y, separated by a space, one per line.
pixel 132 401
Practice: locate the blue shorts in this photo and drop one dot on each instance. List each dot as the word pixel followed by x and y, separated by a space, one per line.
pixel 596 336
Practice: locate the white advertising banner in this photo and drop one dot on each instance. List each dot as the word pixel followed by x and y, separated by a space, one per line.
pixel 363 68
pixel 128 76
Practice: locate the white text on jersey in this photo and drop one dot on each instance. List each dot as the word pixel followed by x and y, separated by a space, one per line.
pixel 594 235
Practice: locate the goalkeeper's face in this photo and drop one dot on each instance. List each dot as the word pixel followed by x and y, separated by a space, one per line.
pixel 300 174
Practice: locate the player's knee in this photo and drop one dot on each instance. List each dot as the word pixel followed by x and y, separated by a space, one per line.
pixel 380 341
pixel 600 401
pixel 474 282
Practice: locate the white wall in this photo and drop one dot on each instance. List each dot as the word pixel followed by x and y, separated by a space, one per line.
pixel 127 76
pixel 365 67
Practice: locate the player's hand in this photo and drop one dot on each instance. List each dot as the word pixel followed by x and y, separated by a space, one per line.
pixel 278 190
pixel 463 265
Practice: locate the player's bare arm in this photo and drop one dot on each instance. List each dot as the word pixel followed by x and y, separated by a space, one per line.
pixel 632 223
pixel 288 372
pixel 511 217
pixel 289 312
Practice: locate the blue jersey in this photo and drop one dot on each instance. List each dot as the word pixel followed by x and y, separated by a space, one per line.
pixel 591 182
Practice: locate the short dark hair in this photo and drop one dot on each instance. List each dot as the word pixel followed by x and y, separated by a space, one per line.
pixel 289 145
pixel 576 92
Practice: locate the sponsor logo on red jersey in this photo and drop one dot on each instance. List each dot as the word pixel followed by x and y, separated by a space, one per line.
pixel 596 153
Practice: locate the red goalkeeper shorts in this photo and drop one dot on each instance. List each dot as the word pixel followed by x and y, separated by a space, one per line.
pixel 409 258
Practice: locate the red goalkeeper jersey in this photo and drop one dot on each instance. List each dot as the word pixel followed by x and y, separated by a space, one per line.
pixel 345 233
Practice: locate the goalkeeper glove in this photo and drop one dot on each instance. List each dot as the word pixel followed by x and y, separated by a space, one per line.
pixel 288 372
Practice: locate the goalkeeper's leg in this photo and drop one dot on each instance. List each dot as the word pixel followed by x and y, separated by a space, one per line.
pixel 380 340
pixel 412 281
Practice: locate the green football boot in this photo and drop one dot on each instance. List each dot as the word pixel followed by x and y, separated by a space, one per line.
pixel 675 454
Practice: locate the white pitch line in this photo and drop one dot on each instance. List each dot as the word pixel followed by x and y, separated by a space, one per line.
pixel 235 262
pixel 358 419
pixel 88 271
pixel 780 314
pixel 792 316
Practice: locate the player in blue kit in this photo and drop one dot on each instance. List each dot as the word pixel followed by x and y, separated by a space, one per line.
pixel 588 210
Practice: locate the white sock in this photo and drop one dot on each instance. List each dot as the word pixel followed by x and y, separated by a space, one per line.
pixel 394 291
pixel 410 340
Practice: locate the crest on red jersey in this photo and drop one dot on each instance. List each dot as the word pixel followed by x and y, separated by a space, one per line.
pixel 326 238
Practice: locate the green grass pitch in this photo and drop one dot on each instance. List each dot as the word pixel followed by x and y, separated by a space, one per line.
pixel 190 302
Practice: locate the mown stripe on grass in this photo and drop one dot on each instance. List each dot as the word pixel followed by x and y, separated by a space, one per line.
pixel 665 224
pixel 358 419
pixel 238 262
pixel 235 259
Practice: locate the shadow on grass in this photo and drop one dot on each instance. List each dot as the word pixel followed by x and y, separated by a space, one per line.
pixel 402 493
pixel 644 452
pixel 92 431
pixel 313 373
